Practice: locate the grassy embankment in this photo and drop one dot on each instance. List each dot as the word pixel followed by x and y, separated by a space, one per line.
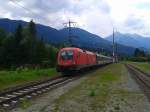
pixel 143 66
pixel 93 93
pixel 13 78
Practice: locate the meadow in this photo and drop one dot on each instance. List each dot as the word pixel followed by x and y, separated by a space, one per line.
pixel 22 76
pixel 143 66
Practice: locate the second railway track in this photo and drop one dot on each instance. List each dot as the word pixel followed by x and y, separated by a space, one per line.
pixel 142 78
pixel 11 97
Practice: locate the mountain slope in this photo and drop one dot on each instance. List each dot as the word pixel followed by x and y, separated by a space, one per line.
pixel 82 36
pixel 91 41
pixel 48 33
pixel 133 40
pixel 83 39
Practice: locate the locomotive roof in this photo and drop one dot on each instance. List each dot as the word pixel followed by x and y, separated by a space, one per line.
pixel 70 48
pixel 78 49
pixel 75 48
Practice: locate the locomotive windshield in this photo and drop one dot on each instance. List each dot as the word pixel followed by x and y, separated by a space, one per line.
pixel 66 55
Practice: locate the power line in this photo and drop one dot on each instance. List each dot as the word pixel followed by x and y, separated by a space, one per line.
pixel 15 2
pixel 20 5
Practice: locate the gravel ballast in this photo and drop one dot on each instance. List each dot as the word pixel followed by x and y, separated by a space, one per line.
pixel 108 89
pixel 46 100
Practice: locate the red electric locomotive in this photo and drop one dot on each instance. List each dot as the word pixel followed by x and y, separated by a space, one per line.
pixel 74 59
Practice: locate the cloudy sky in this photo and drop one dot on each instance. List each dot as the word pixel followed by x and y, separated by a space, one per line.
pixel 96 16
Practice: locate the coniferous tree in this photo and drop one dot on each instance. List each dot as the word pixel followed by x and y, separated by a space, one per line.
pixel 24 47
pixel 52 54
pixel 40 52
pixel 8 51
pixel 2 37
pixel 19 45
pixel 139 53
pixel 31 42
pixel 36 47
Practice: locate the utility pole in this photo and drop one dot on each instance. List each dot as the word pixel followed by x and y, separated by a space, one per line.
pixel 69 24
pixel 116 56
pixel 113 46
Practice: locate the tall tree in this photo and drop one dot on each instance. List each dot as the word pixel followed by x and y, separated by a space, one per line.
pixel 2 37
pixel 32 29
pixel 24 47
pixel 8 51
pixel 36 47
pixel 31 42
pixel 52 54
pixel 139 53
pixel 19 45
pixel 18 35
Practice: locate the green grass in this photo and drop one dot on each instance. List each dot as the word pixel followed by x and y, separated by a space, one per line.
pixel 25 104
pixel 143 66
pixel 13 78
pixel 96 90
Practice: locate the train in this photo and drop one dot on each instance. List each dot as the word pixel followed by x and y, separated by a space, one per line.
pixel 76 59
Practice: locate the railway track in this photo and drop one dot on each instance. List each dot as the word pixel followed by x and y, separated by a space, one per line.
pixel 10 98
pixel 142 78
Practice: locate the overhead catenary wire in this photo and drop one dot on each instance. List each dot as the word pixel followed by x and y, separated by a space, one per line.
pixel 20 5
pixel 38 16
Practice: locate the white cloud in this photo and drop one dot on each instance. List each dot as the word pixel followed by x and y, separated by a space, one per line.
pixel 96 16
pixel 130 11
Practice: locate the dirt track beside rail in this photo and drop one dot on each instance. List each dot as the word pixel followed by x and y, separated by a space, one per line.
pixel 109 89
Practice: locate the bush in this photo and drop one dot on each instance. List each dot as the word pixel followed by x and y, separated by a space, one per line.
pixel 138 59
pixel 92 93
pixel 19 69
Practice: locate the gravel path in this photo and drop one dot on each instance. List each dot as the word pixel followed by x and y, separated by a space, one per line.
pixel 46 100
pixel 125 96
pixel 130 98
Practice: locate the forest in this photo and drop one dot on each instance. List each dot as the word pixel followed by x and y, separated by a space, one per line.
pixel 24 48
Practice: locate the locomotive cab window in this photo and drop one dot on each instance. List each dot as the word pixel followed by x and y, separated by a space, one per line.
pixel 67 55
